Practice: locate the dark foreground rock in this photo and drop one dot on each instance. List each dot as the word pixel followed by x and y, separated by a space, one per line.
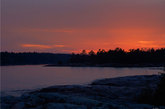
pixel 116 93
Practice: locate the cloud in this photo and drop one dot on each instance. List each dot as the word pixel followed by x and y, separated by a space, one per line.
pixel 45 30
pixel 38 46
pixel 146 42
pixel 150 44
pixel 60 46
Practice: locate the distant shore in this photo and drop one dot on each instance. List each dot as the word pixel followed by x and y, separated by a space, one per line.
pixel 105 65
pixel 93 65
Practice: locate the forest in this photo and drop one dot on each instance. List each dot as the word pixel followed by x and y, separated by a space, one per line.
pixel 32 58
pixel 118 56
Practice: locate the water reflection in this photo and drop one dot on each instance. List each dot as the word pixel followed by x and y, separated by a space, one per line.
pixel 29 77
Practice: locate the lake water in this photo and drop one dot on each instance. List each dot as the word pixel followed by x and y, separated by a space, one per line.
pixel 37 76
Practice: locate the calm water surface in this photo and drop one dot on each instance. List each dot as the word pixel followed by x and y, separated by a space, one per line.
pixel 37 76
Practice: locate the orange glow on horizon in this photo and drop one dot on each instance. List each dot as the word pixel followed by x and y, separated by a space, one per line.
pixel 74 25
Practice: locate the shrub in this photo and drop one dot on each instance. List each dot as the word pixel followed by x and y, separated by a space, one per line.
pixel 153 97
pixel 159 95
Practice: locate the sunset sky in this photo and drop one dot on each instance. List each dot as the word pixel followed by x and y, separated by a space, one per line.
pixel 65 26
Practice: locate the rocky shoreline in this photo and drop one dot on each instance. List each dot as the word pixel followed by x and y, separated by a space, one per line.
pixel 114 93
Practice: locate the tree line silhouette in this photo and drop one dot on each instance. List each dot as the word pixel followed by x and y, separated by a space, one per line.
pixel 120 57
pixel 116 57
pixel 32 58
